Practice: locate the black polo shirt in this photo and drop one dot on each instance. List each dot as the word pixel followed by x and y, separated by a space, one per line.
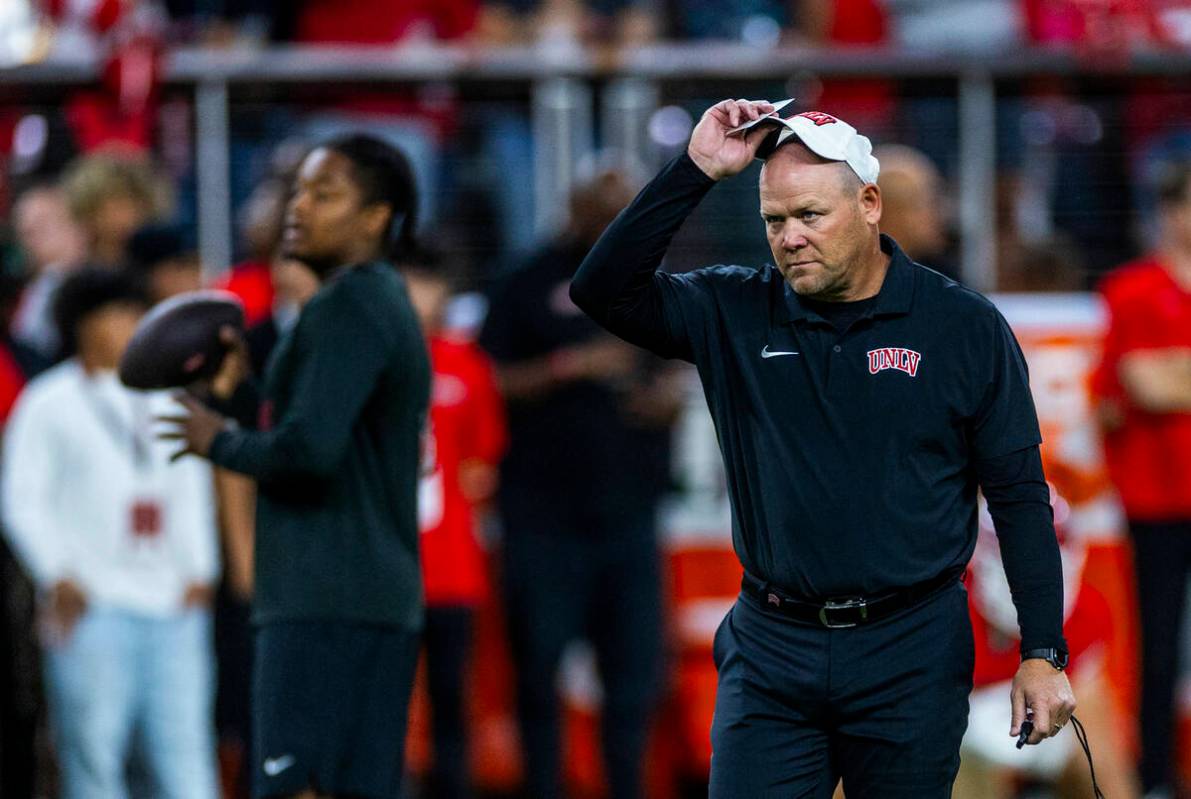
pixel 573 446
pixel 850 456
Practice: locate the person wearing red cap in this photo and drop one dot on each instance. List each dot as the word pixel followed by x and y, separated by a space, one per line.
pixel 859 401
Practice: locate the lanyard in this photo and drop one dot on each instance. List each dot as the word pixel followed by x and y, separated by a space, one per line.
pixel 122 433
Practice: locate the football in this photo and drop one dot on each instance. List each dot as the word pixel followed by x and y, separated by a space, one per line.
pixel 178 342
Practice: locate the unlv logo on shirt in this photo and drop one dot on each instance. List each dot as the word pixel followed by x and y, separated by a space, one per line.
pixel 894 358
pixel 819 118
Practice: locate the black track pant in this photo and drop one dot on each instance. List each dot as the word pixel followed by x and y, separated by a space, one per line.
pixel 1162 559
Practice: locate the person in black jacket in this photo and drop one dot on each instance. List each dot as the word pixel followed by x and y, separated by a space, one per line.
pixel 337 599
pixel 859 400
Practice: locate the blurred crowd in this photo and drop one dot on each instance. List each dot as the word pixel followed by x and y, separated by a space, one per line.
pixel 126 579
pixel 990 25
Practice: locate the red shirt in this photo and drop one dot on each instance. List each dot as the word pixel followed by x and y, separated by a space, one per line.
pixel 384 21
pixel 12 380
pixel 466 424
pixel 1149 455
pixel 252 282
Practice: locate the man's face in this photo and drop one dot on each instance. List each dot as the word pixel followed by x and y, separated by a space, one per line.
pixel 45 230
pixel 325 219
pixel 818 219
pixel 175 276
pixel 117 218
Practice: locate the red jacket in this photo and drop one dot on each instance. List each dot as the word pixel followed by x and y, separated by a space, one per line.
pixel 467 426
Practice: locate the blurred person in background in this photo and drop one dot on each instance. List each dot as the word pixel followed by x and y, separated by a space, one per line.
pixel 53 246
pixel 260 224
pixel 991 764
pixel 1144 388
pixel 293 284
pixel 914 212
pixel 463 445
pixel 584 411
pixel 121 545
pixel 1051 265
pixel 165 260
pixel 110 195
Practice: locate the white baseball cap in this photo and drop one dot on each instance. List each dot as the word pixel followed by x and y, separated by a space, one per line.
pixel 826 136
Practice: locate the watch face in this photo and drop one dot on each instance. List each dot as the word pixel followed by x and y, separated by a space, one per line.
pixel 1059 659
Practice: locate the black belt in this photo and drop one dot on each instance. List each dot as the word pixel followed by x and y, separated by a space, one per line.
pixel 845 611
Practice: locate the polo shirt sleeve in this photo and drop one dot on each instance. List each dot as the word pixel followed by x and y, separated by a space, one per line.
pixel 1005 420
pixel 619 284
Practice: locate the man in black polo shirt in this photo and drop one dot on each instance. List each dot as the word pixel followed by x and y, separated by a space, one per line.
pixel 859 400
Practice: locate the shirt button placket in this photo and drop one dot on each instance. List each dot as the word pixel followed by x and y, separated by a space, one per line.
pixel 833 369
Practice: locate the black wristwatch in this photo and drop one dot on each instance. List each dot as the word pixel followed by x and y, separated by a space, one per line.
pixel 1055 657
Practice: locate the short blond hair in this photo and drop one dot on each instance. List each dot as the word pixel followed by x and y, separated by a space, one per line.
pixel 90 180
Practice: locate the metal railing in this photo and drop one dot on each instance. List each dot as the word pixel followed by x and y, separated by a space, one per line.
pixel 563 83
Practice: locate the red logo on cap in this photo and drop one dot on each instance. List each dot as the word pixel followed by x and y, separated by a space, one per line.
pixel 819 118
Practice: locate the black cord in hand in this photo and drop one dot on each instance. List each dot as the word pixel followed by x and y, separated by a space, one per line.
pixel 1081 734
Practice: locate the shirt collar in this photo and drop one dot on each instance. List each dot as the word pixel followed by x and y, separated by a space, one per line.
pixel 894 298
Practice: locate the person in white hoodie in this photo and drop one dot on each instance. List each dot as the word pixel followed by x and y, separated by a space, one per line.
pixel 121 544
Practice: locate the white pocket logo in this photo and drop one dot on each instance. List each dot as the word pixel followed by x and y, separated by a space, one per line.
pixel 768 353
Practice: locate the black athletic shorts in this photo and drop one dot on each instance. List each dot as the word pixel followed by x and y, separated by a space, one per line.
pixel 330 701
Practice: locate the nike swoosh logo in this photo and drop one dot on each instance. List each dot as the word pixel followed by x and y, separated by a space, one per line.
pixel 275 765
pixel 767 353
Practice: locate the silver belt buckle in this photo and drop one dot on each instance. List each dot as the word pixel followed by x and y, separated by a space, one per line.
pixel 843 604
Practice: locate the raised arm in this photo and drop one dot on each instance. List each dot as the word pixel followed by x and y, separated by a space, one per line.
pixel 618 284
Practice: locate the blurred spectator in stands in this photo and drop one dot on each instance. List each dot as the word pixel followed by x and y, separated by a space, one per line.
pixel 567 23
pixel 110 195
pixel 260 235
pixel 464 443
pixel 53 246
pixel 123 552
pixel 913 208
pixel 1050 262
pixel 166 261
pixel 223 23
pixel 1050 265
pixel 1144 387
pixel 294 284
pixel 972 27
pixel 584 410
pixel 126 38
pixel 990 762
pixel 1111 27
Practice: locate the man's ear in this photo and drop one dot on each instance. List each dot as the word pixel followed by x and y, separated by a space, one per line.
pixel 870 203
pixel 376 221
